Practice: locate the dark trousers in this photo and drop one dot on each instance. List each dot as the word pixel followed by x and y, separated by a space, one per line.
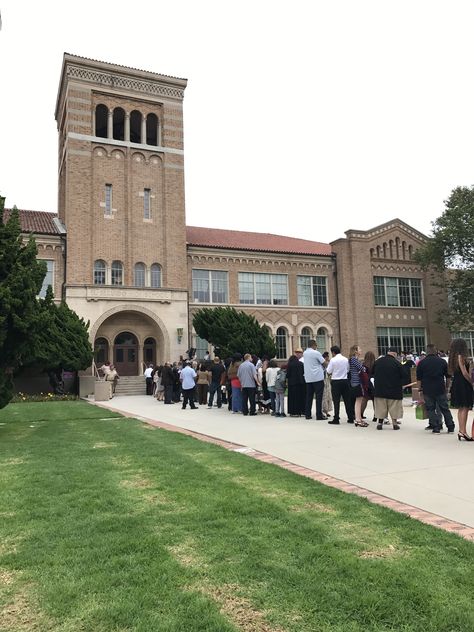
pixel 341 388
pixel 433 405
pixel 312 389
pixel 188 397
pixel 168 393
pixel 215 388
pixel 202 393
pixel 149 385
pixel 248 396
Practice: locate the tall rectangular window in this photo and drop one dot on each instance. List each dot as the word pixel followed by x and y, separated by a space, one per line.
pixel 468 337
pixel 147 204
pixel 48 279
pixel 312 291
pixel 397 292
pixel 108 199
pixel 210 286
pixel 402 338
pixel 263 289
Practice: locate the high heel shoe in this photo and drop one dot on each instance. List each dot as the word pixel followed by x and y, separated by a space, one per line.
pixel 463 435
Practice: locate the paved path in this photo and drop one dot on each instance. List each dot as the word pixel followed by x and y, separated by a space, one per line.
pixel 432 472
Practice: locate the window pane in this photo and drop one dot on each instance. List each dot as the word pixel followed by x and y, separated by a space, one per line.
pixel 321 339
pixel 379 291
pixel 48 279
pixel 404 292
pixel 155 275
pixel 280 289
pixel 306 335
pixel 304 291
pixel 319 291
pixel 202 347
pixel 391 287
pixel 99 272
pixel 416 296
pixel 139 279
pixel 281 343
pixel 147 204
pixel 263 291
pixel 201 286
pixel 117 273
pixel 246 288
pixel 219 286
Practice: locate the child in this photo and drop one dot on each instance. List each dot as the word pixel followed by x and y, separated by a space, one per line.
pixel 280 387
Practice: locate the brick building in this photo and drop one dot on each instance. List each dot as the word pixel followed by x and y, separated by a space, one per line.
pixel 121 255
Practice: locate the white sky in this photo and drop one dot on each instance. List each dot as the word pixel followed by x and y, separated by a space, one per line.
pixel 302 118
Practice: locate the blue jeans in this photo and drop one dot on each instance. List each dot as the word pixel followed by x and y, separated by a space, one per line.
pixel 236 399
pixel 439 402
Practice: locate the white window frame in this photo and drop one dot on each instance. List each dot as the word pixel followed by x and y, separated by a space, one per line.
pixel 300 284
pixel 257 280
pixel 48 278
pixel 210 284
pixel 388 287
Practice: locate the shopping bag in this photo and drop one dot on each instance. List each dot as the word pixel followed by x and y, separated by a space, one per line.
pixel 420 411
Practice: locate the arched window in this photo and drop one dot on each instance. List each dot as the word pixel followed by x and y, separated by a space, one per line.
pixel 149 351
pixel 100 268
pixel 136 127
pixel 139 275
pixel 281 343
pixel 306 335
pixel 101 351
pixel 117 273
pixel 101 114
pixel 119 124
pixel 321 339
pixel 152 129
pixel 155 272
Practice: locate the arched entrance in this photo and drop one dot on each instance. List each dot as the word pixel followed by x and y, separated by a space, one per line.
pixel 126 354
pixel 149 351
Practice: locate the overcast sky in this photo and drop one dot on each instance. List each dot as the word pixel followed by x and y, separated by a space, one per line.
pixel 302 118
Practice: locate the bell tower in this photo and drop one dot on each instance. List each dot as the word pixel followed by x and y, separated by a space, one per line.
pixel 121 195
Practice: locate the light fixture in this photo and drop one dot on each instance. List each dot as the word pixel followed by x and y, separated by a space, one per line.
pixel 179 333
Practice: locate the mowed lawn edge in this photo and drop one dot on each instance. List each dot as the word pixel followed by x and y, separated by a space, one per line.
pixel 107 523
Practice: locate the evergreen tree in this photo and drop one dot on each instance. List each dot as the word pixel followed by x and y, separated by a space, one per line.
pixel 450 254
pixel 21 277
pixel 233 331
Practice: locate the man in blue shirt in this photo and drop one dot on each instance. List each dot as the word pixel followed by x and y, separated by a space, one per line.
pixel 314 378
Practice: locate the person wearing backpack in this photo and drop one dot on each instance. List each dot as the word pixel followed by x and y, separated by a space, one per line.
pixel 280 387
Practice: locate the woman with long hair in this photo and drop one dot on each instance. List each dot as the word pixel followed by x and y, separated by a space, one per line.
pixel 355 367
pixel 461 386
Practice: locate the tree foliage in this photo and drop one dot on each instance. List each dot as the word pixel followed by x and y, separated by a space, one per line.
pixel 233 331
pixel 450 252
pixel 21 277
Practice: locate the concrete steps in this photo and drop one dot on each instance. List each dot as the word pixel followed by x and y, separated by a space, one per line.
pixel 131 385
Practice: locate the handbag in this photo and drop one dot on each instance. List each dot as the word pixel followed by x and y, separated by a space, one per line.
pixel 420 411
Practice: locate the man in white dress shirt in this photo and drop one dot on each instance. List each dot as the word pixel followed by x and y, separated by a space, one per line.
pixel 338 369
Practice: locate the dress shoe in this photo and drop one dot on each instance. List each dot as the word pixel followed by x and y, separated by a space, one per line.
pixel 333 422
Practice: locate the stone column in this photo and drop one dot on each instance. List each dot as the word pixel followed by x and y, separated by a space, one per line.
pixel 93 122
pixel 127 126
pixel 110 124
pixel 144 130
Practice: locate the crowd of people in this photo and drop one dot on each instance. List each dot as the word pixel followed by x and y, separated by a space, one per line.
pixel 249 385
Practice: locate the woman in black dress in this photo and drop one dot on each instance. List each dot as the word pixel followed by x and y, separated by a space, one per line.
pixel 296 387
pixel 461 385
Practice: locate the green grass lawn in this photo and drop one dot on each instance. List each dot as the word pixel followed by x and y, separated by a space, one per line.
pixel 109 524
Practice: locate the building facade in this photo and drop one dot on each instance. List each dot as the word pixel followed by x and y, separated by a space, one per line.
pixel 120 254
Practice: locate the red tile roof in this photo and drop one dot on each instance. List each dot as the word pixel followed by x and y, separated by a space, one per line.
pixel 40 222
pixel 262 242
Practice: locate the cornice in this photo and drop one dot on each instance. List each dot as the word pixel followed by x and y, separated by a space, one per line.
pixel 262 261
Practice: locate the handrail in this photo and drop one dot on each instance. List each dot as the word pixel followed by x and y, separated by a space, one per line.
pixel 95 371
pixel 144 367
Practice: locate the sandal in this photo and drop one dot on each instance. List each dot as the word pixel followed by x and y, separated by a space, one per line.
pixel 362 424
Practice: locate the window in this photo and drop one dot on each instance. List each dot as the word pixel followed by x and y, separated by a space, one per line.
pixel 119 124
pixel 139 275
pixel 202 347
pixel 402 338
pixel 397 292
pixel 101 351
pixel 306 335
pixel 281 343
pixel 312 291
pixel 101 115
pixel 99 272
pixel 321 339
pixel 135 127
pixel 468 336
pixel 152 129
pixel 210 286
pixel 147 204
pixel 117 273
pixel 48 279
pixel 108 199
pixel 155 273
pixel 263 289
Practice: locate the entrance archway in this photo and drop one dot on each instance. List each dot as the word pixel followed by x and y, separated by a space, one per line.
pixel 126 353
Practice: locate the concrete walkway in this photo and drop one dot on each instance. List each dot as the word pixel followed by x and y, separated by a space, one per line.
pixel 434 473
